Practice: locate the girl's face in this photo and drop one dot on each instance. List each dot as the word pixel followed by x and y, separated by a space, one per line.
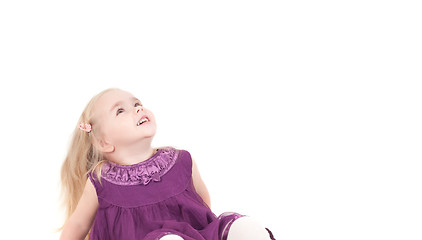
pixel 118 114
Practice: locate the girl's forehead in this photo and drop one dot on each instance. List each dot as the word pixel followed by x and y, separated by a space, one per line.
pixel 109 99
pixel 114 96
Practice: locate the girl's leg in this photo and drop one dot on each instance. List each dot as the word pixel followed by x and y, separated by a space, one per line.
pixel 171 237
pixel 247 228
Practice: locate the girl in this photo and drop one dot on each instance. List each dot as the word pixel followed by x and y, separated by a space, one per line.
pixel 116 186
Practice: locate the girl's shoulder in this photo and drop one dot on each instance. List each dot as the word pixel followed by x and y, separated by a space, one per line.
pixel 177 149
pixel 181 155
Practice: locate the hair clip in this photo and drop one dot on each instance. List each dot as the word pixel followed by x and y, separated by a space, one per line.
pixel 85 127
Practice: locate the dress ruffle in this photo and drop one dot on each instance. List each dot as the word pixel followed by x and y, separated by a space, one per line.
pixel 141 173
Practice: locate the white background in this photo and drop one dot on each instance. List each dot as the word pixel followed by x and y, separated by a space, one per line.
pixel 303 114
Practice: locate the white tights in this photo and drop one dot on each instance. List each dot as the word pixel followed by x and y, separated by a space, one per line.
pixel 171 237
pixel 244 228
pixel 247 228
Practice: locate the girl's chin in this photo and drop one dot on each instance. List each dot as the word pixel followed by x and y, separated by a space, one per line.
pixel 150 132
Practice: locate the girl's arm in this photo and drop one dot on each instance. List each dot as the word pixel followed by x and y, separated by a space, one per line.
pixel 199 185
pixel 80 221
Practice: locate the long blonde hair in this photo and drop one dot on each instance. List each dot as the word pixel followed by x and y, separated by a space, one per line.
pixel 82 158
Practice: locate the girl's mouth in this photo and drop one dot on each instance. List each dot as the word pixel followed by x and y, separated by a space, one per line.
pixel 143 120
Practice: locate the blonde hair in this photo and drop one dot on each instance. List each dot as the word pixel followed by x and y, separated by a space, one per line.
pixel 82 158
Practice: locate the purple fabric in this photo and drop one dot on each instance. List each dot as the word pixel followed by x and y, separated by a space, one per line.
pixel 150 199
pixel 142 173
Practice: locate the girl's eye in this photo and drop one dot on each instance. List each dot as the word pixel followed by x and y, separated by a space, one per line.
pixel 120 110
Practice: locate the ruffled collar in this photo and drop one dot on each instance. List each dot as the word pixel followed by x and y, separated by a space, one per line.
pixel 143 172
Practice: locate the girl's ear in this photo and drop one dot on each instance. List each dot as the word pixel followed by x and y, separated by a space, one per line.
pixel 103 145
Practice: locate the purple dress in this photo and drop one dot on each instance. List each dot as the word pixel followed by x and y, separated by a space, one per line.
pixel 155 197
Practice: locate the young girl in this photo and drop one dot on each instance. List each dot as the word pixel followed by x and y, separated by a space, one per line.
pixel 116 186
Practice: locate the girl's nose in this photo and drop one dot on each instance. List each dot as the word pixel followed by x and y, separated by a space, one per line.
pixel 139 109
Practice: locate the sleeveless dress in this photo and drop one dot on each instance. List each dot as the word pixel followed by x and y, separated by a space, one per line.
pixel 153 198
